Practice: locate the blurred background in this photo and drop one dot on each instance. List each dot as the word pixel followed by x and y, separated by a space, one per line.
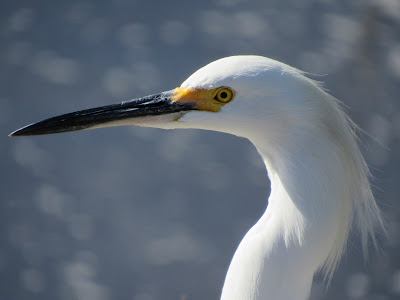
pixel 146 214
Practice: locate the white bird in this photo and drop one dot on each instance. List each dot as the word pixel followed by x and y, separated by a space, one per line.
pixel 319 179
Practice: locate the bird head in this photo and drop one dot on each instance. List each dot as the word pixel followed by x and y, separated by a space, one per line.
pixel 238 95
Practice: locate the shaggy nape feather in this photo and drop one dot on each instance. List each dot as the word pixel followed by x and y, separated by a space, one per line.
pixel 363 211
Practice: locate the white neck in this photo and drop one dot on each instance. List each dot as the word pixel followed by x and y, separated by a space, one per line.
pixel 280 254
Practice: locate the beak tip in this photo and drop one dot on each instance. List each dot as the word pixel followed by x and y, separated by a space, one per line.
pixel 14 133
pixel 24 131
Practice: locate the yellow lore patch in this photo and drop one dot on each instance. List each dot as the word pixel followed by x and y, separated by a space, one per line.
pixel 206 100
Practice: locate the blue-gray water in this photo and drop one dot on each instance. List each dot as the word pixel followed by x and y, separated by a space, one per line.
pixel 146 214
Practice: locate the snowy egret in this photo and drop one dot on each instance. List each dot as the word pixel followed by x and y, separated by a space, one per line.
pixel 319 179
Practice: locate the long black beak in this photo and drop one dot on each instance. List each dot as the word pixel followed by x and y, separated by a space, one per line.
pixel 153 105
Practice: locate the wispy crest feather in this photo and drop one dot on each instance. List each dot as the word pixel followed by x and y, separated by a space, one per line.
pixel 361 208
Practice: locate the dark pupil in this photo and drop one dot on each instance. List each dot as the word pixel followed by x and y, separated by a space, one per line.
pixel 223 95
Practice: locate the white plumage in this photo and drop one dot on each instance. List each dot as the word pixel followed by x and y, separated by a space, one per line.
pixel 319 180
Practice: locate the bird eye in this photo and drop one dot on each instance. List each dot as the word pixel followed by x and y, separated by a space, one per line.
pixel 224 95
